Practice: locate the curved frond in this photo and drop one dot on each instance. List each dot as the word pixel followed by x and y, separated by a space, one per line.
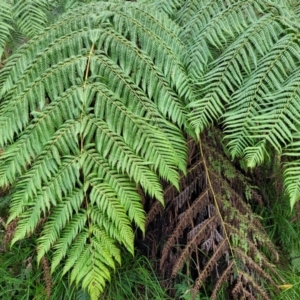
pixel 243 58
pixel 292 170
pixel 92 110
pixel 213 26
pixel 169 7
pixel 227 74
pixel 292 181
pixel 260 109
pixel 59 218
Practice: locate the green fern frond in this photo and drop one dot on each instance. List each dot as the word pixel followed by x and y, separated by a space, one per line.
pixel 70 232
pixel 122 158
pixel 90 270
pixel 222 18
pixel 270 115
pixel 30 16
pixel 243 57
pixel 126 190
pixel 58 220
pixel 6 20
pixel 76 250
pixel 92 112
pixel 99 218
pixel 105 199
pixel 227 74
pixel 215 25
pixel 61 183
pixel 292 170
pixel 169 7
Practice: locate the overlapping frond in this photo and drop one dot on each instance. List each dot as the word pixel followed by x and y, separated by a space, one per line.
pixel 227 75
pixel 92 111
pixel 213 26
pixel 243 57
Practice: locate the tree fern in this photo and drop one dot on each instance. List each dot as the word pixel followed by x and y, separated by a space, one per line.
pixel 90 113
pixel 95 109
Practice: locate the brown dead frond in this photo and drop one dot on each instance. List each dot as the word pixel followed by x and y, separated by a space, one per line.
pixel 222 280
pixel 212 263
pixel 202 234
pixel 9 233
pixel 252 285
pixel 184 222
pixel 209 232
pixel 47 276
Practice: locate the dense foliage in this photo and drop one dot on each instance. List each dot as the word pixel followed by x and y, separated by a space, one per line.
pixel 95 115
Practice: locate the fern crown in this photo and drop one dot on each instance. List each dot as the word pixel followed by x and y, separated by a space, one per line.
pixel 95 109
